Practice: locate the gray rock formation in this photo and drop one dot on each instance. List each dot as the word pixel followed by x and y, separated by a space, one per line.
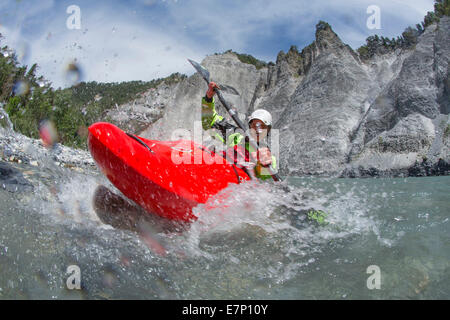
pixel 324 109
pixel 149 107
pixel 337 115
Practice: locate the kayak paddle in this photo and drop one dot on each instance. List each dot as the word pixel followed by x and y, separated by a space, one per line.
pixel 205 75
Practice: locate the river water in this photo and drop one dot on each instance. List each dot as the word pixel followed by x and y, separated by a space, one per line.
pixel 252 244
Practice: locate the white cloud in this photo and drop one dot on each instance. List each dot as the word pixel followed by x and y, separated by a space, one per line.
pixel 235 25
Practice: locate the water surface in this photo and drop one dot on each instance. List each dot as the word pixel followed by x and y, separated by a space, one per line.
pixel 251 242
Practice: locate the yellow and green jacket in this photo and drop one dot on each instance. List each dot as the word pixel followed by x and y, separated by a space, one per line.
pixel 212 120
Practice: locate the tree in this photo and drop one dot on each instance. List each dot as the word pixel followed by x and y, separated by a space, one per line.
pixel 410 36
pixel 429 19
pixel 442 7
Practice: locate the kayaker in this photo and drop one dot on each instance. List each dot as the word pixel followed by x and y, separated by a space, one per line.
pixel 237 144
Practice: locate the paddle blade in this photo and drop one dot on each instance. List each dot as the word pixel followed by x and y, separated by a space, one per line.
pixel 203 72
pixel 228 89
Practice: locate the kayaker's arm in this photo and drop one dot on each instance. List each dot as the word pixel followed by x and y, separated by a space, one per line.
pixel 209 114
pixel 212 87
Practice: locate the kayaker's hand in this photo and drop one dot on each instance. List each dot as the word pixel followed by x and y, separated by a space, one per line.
pixel 211 89
pixel 264 156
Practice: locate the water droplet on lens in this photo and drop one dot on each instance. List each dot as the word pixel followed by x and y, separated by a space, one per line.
pixel 21 87
pixel 48 133
pixel 23 52
pixel 109 279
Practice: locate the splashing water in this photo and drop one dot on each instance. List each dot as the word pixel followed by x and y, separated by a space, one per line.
pixel 73 73
pixel 252 240
pixel 5 122
pixel 23 52
pixel 269 221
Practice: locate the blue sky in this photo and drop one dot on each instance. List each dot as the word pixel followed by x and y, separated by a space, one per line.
pixel 147 39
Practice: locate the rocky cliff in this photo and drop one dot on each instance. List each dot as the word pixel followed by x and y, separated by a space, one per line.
pixel 337 114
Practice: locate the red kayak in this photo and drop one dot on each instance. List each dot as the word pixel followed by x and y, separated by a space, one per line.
pixel 167 178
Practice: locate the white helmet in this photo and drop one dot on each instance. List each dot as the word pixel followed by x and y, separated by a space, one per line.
pixel 262 115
